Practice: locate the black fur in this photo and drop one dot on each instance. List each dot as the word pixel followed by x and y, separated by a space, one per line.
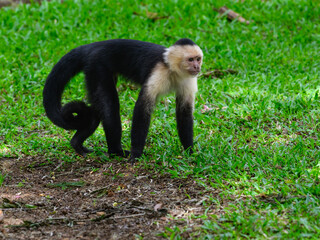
pixel 102 62
pixel 184 41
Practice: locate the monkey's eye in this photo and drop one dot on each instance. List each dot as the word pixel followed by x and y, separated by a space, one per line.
pixel 198 59
pixel 190 59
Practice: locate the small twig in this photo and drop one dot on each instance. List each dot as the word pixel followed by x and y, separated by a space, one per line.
pixel 219 73
pixel 142 208
pixel 231 15
pixel 46 221
pixel 100 189
pixel 102 217
pixel 130 216
pixel 58 166
pixel 63 174
pixel 202 30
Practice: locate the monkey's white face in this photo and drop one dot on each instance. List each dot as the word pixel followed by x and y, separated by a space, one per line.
pixel 184 60
pixel 192 64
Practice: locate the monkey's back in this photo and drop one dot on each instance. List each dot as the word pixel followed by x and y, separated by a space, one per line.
pixel 131 58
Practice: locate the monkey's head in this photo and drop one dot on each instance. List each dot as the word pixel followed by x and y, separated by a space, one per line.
pixel 184 58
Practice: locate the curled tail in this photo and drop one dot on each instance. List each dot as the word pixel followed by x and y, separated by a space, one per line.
pixel 74 115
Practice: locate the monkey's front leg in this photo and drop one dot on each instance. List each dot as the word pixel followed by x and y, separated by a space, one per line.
pixel 184 115
pixel 140 124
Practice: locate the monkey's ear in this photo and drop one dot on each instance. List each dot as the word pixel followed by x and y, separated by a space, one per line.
pixel 173 56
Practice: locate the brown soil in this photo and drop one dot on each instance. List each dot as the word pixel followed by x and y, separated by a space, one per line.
pixel 42 199
pixel 4 3
pixel 92 200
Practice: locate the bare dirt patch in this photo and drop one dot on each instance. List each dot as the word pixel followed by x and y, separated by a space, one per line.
pixel 5 3
pixel 91 200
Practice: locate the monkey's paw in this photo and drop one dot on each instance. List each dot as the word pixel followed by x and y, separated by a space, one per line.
pixel 121 153
pixel 82 151
pixel 132 160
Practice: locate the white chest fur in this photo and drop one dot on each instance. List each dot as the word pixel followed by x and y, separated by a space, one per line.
pixel 164 81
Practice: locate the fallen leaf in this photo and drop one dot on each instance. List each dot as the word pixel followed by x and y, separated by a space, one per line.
pixel 12 221
pixel 205 109
pixel 1 216
pixel 217 73
pixel 101 213
pixel 151 15
pixel 157 207
pixel 231 15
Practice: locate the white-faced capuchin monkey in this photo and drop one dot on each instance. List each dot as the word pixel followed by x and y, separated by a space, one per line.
pixel 157 69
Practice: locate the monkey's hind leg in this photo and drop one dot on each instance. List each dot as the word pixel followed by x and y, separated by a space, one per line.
pixel 82 134
pixel 109 108
pixel 103 95
pixel 111 123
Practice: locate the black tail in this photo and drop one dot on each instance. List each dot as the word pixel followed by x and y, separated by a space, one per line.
pixel 76 114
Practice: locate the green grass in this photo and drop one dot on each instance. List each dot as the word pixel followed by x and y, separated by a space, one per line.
pixel 2 177
pixel 257 144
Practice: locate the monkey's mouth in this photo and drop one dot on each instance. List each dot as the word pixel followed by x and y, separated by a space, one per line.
pixel 194 72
